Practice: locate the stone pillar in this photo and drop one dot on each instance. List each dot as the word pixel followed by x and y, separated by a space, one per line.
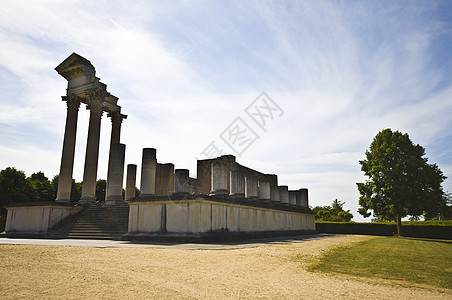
pixel 293 198
pixel 131 181
pixel 304 197
pixel 237 184
pixel 164 180
pixel 264 191
pixel 67 156
pixel 274 194
pixel 283 194
pixel 116 167
pixel 251 191
pixel 92 150
pixel 181 181
pixel 219 178
pixel 116 120
pixel 148 171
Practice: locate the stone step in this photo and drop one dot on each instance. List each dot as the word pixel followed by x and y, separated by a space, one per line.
pixel 96 222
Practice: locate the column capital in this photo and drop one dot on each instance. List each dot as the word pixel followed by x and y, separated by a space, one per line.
pixel 72 102
pixel 116 118
pixel 95 99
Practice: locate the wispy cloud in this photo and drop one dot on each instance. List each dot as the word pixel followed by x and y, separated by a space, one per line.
pixel 183 72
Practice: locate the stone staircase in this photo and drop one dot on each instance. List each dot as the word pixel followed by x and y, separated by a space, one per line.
pixel 95 222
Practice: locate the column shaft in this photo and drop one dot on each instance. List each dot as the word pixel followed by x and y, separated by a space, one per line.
pixel 92 152
pixel 116 120
pixel 131 181
pixel 181 181
pixel 67 156
pixel 148 172
pixel 114 185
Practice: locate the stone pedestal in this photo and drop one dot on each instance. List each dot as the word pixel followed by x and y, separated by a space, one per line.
pixel 274 194
pixel 148 172
pixel 264 191
pixel 114 185
pixel 251 187
pixel 219 178
pixel 283 194
pixel 92 151
pixel 181 181
pixel 164 180
pixel 237 184
pixel 131 181
pixel 67 157
pixel 304 197
pixel 293 198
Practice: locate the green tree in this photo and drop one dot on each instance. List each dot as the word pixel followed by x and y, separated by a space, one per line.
pixel 101 186
pixel 400 181
pixel 42 188
pixel 14 188
pixel 333 213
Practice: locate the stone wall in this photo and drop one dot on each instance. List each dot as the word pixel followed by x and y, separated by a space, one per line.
pixel 203 216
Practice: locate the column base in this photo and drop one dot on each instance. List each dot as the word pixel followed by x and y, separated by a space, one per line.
pixel 62 200
pixel 113 200
pixel 86 201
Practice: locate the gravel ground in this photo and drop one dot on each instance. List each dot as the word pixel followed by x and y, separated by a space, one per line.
pixel 263 271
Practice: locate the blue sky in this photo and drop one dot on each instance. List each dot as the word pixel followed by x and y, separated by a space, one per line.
pixel 340 71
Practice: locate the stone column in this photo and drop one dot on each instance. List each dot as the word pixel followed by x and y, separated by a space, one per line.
pixel 67 157
pixel 237 184
pixel 293 198
pixel 274 194
pixel 116 167
pixel 148 171
pixel 304 197
pixel 116 120
pixel 181 181
pixel 131 181
pixel 283 194
pixel 264 191
pixel 251 191
pixel 219 178
pixel 92 150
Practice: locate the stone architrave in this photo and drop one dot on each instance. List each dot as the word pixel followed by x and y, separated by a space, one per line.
pixel 114 185
pixel 148 172
pixel 131 181
pixel 67 157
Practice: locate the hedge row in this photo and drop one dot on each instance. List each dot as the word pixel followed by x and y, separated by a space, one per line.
pixel 418 231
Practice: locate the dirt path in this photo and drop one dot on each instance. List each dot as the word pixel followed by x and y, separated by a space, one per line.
pixel 271 272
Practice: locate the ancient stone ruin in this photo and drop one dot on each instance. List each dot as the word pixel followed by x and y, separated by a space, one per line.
pixel 225 200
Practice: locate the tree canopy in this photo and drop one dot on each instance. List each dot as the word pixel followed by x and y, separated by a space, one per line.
pixel 400 181
pixel 333 213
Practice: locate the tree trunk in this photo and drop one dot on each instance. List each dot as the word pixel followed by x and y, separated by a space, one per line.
pixel 399 225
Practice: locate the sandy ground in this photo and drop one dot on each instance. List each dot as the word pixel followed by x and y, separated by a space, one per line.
pixel 273 271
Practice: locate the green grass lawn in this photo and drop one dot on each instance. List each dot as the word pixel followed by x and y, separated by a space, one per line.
pixel 412 260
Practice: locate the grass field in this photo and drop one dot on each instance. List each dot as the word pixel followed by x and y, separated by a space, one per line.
pixel 419 261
